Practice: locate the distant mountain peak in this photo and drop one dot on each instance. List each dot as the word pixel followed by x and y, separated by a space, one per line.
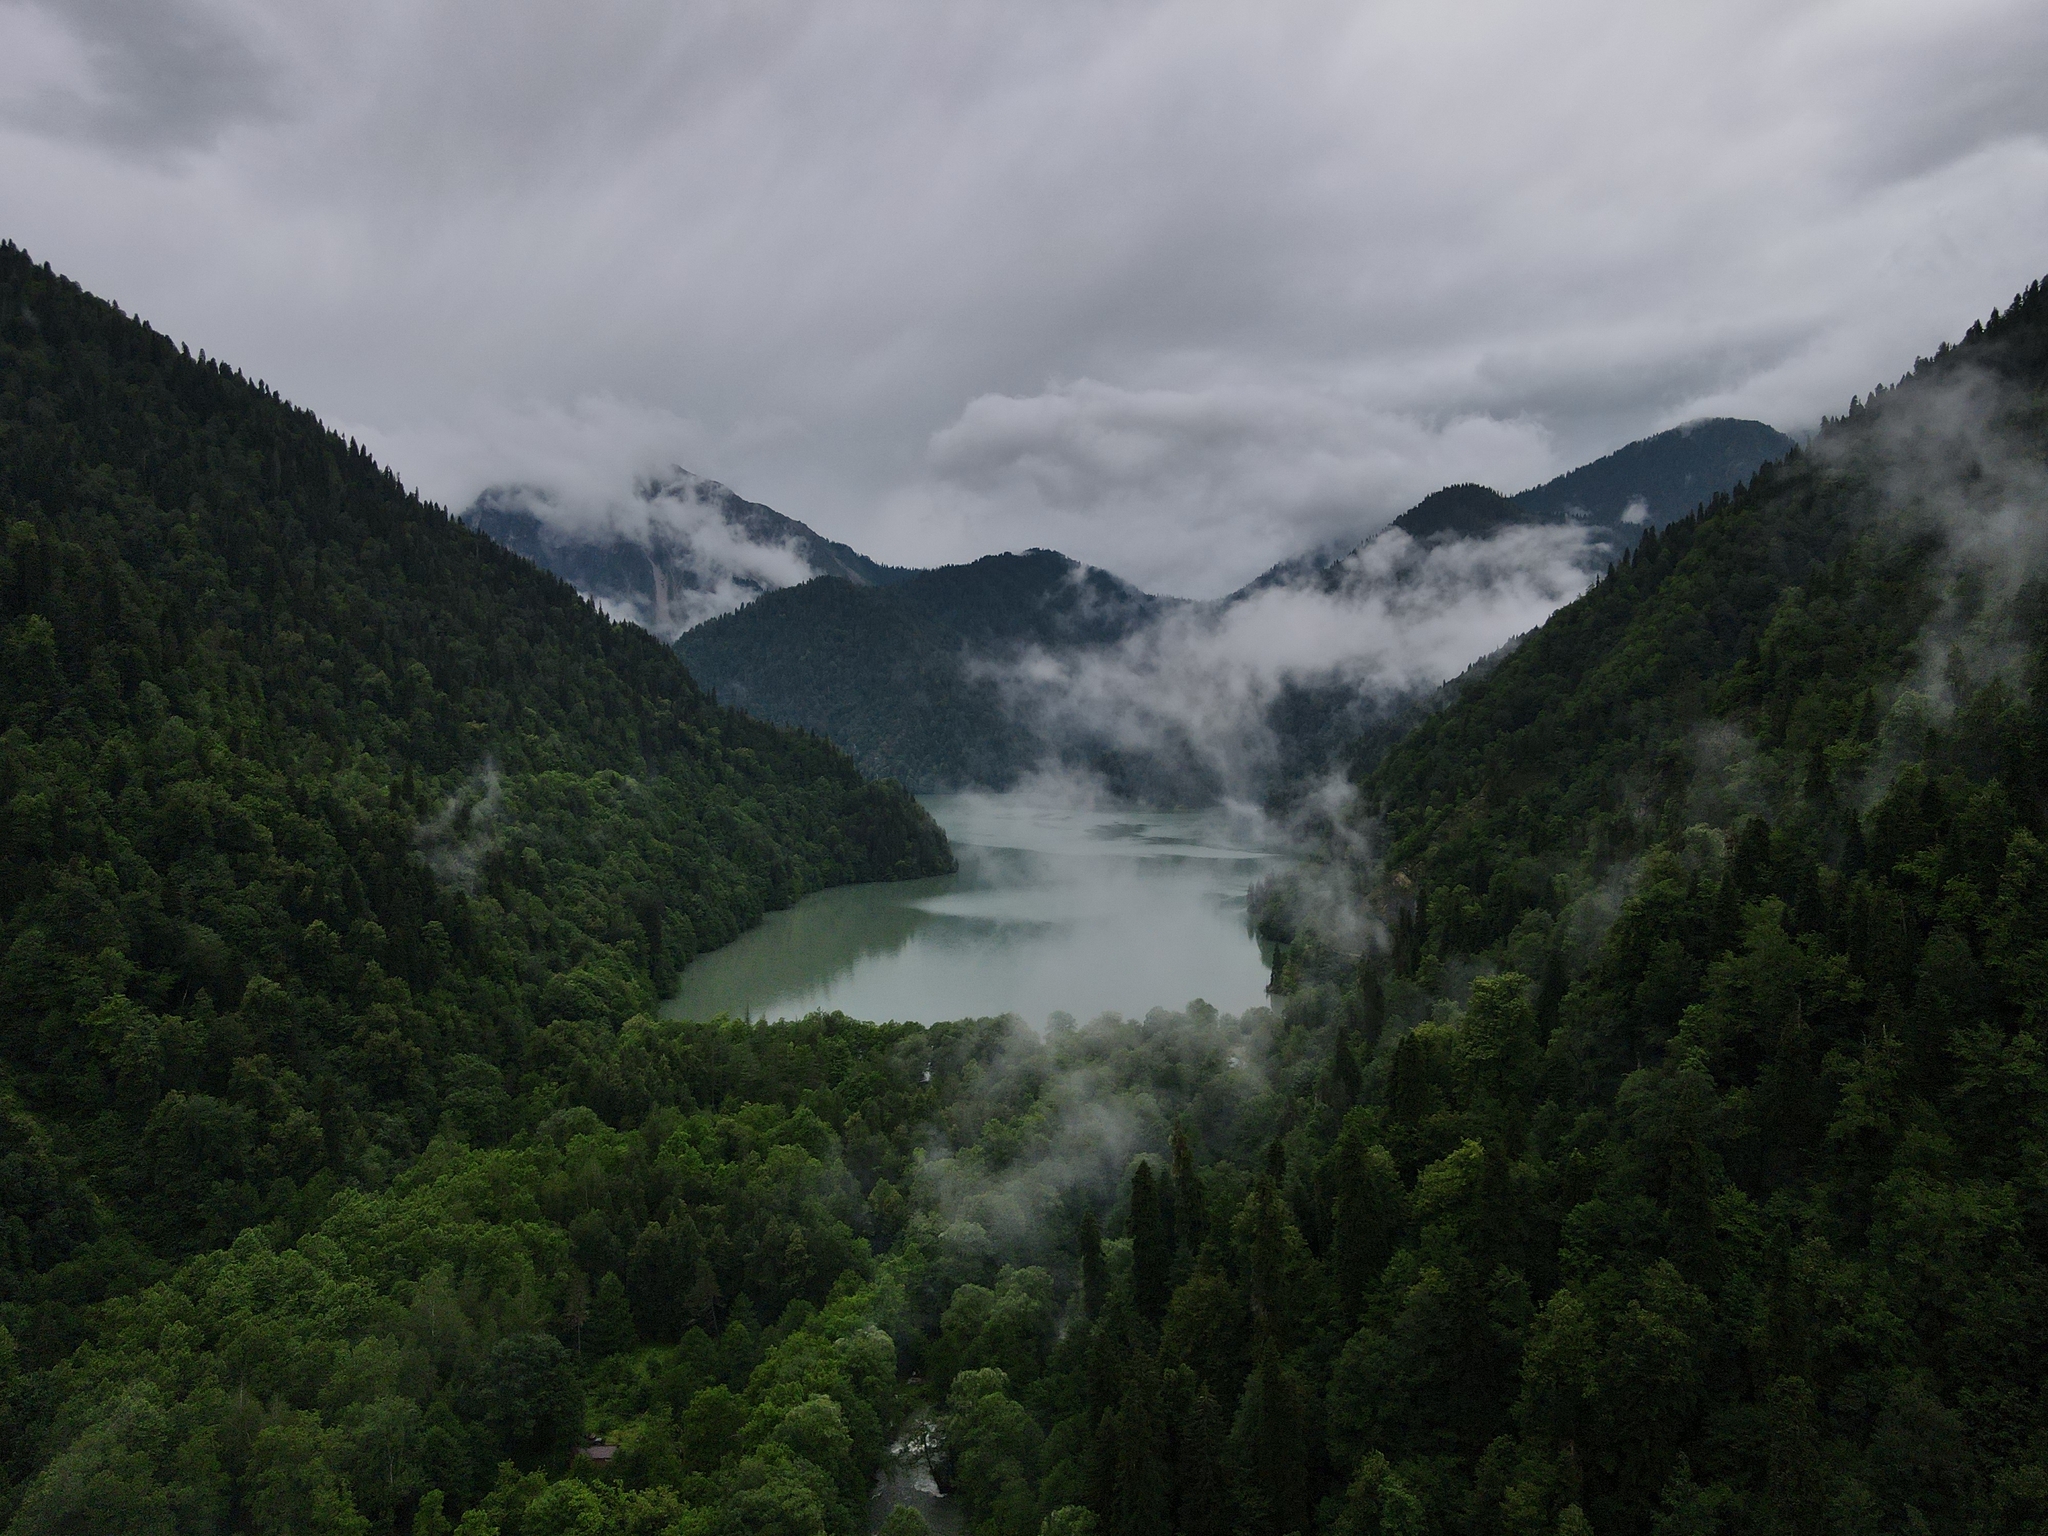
pixel 682 484
pixel 1465 511
pixel 1645 484
pixel 1665 475
pixel 682 548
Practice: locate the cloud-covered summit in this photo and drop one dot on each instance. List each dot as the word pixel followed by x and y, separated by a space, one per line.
pixel 675 551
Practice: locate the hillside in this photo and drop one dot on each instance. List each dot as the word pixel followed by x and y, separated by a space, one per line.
pixel 682 549
pixel 1669 474
pixel 1744 849
pixel 325 817
pixel 901 676
pixel 1460 512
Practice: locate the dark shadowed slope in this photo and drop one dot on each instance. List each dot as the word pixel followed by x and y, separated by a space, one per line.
pixel 1669 474
pixel 896 675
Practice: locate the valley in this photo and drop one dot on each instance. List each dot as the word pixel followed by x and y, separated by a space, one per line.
pixel 460 1075
pixel 978 676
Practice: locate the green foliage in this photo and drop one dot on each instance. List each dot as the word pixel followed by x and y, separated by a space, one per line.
pixel 327 822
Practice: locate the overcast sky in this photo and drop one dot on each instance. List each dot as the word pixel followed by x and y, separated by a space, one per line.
pixel 1178 289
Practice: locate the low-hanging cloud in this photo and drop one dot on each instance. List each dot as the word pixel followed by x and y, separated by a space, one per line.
pixel 1948 454
pixel 1081 1106
pixel 697 563
pixel 457 839
pixel 1394 618
pixel 1955 455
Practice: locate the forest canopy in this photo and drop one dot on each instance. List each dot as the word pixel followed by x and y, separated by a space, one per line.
pixel 326 819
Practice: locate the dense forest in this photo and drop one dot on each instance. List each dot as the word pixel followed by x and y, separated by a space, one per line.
pixel 327 821
pixel 1670 1159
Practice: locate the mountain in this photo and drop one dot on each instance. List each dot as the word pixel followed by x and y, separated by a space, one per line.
pixel 977 675
pixel 680 550
pixel 904 676
pixel 325 814
pixel 1461 512
pixel 919 674
pixel 1655 480
pixel 1645 484
pixel 1706 1024
pixel 1582 519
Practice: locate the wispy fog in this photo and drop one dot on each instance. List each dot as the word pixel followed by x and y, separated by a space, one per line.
pixel 1949 458
pixel 665 553
pixel 1394 618
pixel 1087 1101
pixel 1194 491
pixel 457 839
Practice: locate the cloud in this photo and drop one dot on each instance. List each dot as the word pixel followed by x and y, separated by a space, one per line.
pixel 698 564
pixel 1393 618
pixel 1081 1106
pixel 457 839
pixel 589 451
pixel 152 80
pixel 1055 275
pixel 1197 491
pixel 1954 455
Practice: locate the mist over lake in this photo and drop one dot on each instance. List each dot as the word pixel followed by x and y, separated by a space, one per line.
pixel 1053 909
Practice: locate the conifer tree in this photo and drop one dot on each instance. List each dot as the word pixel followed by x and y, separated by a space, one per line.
pixel 1094 1272
pixel 1190 1219
pixel 1151 1249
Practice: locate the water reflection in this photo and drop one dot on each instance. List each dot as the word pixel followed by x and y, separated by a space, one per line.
pixel 1053 909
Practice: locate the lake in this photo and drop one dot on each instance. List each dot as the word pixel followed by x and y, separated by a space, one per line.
pixel 1053 909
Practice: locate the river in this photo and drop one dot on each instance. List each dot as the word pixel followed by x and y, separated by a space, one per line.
pixel 1053 909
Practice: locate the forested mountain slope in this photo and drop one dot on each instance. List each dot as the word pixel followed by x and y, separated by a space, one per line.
pixel 1460 512
pixel 1668 474
pixel 1726 1210
pixel 900 676
pixel 325 818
